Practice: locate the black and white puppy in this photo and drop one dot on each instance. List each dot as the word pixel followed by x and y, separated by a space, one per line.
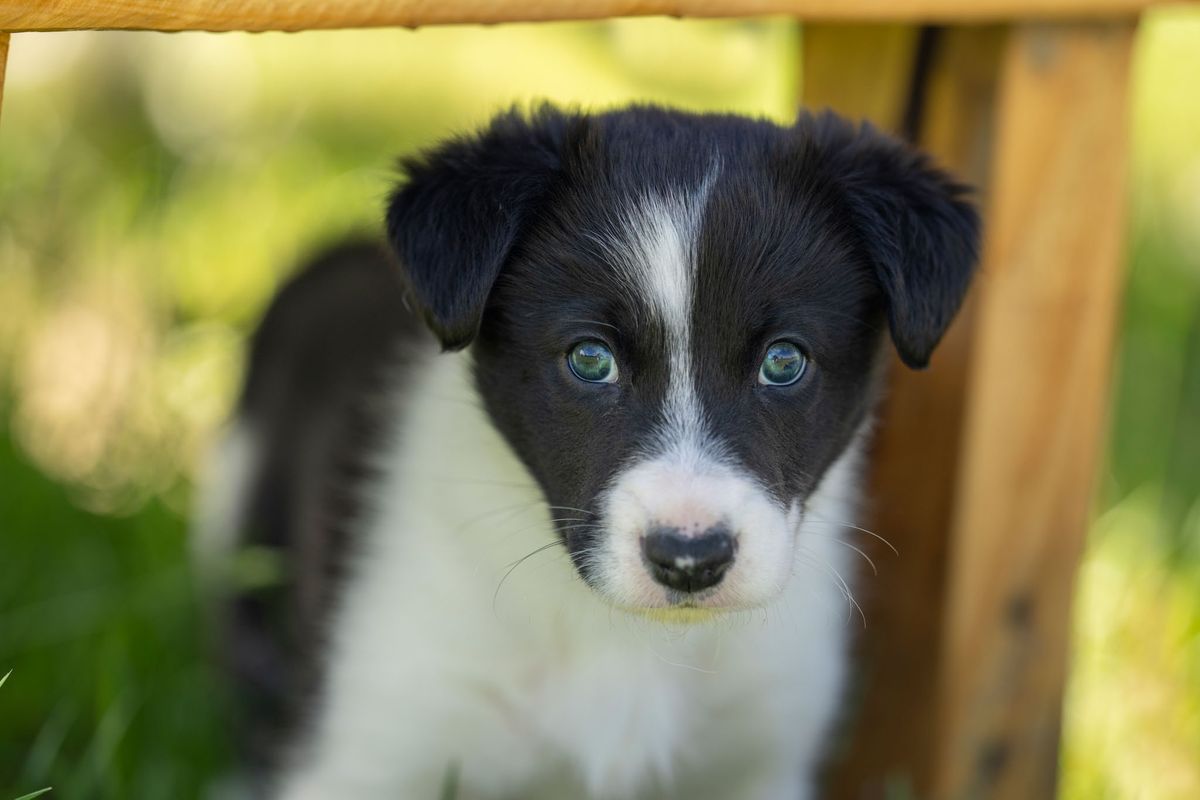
pixel 593 548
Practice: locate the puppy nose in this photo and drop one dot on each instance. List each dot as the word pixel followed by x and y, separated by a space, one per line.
pixel 688 563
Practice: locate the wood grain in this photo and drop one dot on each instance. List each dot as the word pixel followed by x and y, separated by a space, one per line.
pixel 859 71
pixel 891 739
pixel 4 39
pixel 294 15
pixel 1036 407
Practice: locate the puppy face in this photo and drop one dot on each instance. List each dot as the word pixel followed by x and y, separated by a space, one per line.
pixel 676 320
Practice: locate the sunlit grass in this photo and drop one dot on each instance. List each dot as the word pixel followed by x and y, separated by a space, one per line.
pixel 1132 720
pixel 1133 713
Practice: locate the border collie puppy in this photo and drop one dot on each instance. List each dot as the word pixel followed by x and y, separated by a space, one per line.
pixel 561 494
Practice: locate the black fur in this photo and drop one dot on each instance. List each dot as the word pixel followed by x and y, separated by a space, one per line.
pixel 464 206
pixel 816 232
pixel 455 220
pixel 910 218
pixel 319 365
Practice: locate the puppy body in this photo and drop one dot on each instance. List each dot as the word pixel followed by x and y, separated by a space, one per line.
pixel 601 553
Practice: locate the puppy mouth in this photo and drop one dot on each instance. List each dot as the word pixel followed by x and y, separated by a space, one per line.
pixel 685 614
pixel 670 605
pixel 705 600
pixel 662 605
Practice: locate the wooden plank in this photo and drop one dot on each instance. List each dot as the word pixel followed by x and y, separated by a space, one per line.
pixel 1036 406
pixel 292 15
pixel 865 72
pixel 892 737
pixel 859 71
pixel 4 38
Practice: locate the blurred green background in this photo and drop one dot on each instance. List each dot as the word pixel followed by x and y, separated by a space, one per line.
pixel 155 188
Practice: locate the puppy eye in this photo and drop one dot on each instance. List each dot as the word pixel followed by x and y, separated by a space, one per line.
pixel 593 362
pixel 783 365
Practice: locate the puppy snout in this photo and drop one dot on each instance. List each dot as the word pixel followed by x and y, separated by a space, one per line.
pixel 688 563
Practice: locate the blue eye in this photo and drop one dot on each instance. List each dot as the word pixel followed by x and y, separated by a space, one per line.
pixel 783 365
pixel 593 362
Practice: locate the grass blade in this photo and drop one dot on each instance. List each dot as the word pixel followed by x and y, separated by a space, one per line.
pixel 450 783
pixel 38 793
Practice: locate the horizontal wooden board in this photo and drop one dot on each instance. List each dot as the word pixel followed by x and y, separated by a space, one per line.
pixel 294 15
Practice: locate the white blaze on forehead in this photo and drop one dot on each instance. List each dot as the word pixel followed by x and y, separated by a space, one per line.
pixel 683 478
pixel 660 259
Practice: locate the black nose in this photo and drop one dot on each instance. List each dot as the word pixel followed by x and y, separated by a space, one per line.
pixel 688 563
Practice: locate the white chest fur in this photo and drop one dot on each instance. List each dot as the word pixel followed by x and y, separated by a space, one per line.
pixel 524 682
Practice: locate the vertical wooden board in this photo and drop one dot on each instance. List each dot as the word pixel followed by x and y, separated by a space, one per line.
pixel 1038 387
pixel 916 457
pixel 865 72
pixel 891 736
pixel 860 71
pixel 4 38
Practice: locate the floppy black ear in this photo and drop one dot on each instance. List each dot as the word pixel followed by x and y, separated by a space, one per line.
pixel 456 217
pixel 912 220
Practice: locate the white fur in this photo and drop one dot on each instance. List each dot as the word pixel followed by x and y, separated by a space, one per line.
pixel 683 478
pixel 693 497
pixel 529 683
pixel 657 252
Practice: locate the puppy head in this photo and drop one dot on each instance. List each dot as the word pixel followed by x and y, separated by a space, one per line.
pixel 675 320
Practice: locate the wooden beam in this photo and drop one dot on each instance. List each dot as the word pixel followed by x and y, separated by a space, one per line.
pixel 1035 418
pixel 293 15
pixel 4 38
pixel 870 71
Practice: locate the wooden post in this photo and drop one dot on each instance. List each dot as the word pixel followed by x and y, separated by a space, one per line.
pixel 874 73
pixel 1036 406
pixel 859 71
pixel 3 63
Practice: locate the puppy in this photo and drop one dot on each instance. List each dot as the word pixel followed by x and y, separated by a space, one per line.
pixel 589 539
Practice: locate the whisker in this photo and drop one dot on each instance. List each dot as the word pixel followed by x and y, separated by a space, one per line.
pixel 595 322
pixel 858 528
pixel 514 565
pixel 554 525
pixel 844 543
pixel 507 512
pixel 571 508
pixel 808 562
pixel 581 526
pixel 844 586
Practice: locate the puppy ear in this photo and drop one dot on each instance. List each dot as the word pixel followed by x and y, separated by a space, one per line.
pixel 913 222
pixel 463 205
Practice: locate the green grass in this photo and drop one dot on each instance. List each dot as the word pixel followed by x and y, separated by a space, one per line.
pixel 98 619
pixel 39 792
